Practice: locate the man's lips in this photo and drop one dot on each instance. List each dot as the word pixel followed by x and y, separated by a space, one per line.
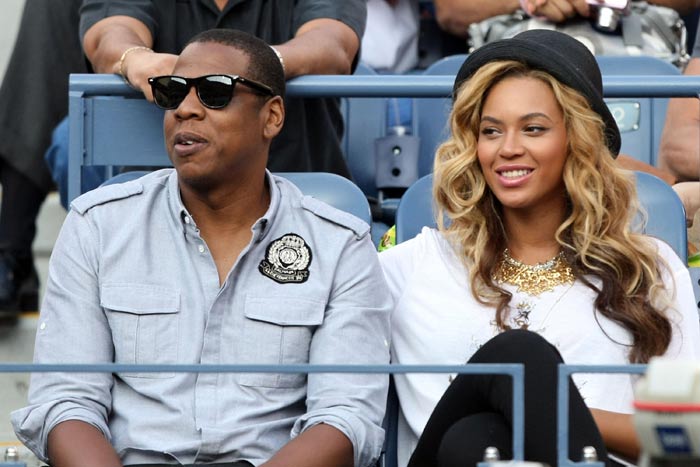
pixel 186 144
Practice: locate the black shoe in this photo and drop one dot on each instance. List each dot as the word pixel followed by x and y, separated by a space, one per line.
pixel 19 283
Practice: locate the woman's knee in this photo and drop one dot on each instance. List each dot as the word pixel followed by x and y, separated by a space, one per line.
pixel 517 346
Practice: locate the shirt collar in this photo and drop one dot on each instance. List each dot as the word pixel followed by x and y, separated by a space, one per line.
pixel 262 225
pixel 259 228
pixel 177 208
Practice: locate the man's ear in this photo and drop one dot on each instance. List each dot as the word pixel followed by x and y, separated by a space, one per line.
pixel 274 117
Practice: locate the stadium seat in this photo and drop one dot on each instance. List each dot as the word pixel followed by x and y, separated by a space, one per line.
pixel 430 114
pixel 666 216
pixel 365 121
pixel 331 188
pixel 640 119
pixel 108 130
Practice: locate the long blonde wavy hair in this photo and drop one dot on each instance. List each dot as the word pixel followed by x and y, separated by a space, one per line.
pixel 596 236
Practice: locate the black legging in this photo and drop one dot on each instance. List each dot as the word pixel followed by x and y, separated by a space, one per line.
pixel 476 410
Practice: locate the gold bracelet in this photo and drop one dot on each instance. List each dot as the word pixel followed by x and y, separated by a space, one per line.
pixel 123 57
pixel 279 56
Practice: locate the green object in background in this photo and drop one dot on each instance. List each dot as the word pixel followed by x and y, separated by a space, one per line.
pixel 388 239
pixel 694 261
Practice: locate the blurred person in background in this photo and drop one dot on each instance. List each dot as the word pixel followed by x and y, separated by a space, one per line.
pixel 33 100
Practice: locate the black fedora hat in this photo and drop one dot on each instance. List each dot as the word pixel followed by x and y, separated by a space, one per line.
pixel 558 54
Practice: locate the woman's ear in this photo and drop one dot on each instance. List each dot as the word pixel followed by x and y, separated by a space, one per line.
pixel 274 117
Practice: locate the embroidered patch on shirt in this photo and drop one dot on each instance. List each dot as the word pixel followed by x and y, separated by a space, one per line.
pixel 287 260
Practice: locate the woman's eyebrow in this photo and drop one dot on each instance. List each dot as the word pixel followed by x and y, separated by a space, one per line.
pixel 522 118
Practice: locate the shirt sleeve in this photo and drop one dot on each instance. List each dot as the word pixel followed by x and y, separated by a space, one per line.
pixel 72 329
pixel 93 11
pixel 351 12
pixel 355 330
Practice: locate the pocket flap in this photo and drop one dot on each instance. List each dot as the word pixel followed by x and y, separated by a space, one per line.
pixel 285 311
pixel 140 299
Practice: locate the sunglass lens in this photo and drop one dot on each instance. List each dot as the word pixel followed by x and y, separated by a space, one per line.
pixel 216 91
pixel 169 92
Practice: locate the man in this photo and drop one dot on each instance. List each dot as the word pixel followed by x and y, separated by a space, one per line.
pixel 310 36
pixel 216 261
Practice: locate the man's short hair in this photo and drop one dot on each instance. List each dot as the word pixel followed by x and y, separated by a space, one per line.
pixel 264 66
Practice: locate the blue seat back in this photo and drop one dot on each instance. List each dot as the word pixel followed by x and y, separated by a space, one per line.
pixel 124 129
pixel 641 120
pixel 430 114
pixel 666 216
pixel 365 121
pixel 665 212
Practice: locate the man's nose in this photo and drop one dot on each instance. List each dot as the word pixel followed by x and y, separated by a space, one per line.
pixel 190 105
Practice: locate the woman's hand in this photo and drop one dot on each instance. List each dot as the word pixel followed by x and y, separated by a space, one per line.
pixel 556 10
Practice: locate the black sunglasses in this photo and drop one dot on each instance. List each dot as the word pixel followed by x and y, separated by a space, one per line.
pixel 214 91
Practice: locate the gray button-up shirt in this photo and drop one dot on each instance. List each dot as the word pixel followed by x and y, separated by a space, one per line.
pixel 132 281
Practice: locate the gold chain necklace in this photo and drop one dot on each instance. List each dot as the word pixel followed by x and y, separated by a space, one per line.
pixel 535 279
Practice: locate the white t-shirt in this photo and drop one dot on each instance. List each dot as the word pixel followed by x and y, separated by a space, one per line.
pixel 436 320
pixel 390 41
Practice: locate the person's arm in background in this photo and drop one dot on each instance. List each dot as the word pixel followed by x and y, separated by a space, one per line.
pixel 557 10
pixel 630 163
pixel 455 16
pixel 682 6
pixel 320 46
pixel 679 151
pixel 688 192
pixel 107 40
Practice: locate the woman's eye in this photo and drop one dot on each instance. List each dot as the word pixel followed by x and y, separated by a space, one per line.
pixel 488 131
pixel 534 129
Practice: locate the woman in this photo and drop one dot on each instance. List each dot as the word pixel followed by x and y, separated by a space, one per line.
pixel 539 252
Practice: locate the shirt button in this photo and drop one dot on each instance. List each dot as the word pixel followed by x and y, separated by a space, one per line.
pixel 42 326
pixel 187 220
pixel 201 248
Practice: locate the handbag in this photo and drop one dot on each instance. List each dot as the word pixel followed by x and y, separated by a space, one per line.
pixel 643 30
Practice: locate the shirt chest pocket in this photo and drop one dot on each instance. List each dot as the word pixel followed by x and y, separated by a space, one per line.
pixel 145 324
pixel 278 330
